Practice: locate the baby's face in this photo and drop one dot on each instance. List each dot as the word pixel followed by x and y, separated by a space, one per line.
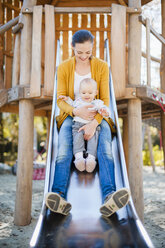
pixel 87 92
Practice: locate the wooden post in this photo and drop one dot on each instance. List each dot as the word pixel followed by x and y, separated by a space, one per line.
pixel 16 61
pixel 1 50
pixel 162 76
pixel 8 48
pixel 134 111
pixel 125 140
pixel 150 148
pixel 26 125
pixel 148 52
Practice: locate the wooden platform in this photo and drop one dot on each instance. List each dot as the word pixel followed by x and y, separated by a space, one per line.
pixel 150 107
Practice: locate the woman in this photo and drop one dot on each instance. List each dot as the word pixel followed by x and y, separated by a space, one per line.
pixel 70 73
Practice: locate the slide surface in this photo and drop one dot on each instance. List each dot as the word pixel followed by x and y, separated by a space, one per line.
pixel 84 227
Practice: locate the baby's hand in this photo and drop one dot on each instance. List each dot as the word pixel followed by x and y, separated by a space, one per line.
pixel 104 112
pixel 64 98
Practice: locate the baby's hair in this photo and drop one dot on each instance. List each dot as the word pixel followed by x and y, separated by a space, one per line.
pixel 88 81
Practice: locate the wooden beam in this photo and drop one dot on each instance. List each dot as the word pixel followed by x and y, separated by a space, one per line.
pixel 8 53
pixel 122 2
pixel 22 214
pixel 9 25
pixel 148 52
pixel 49 50
pixel 1 48
pixel 150 147
pixel 134 111
pixel 3 97
pixel 152 57
pixel 153 31
pixel 54 2
pixel 11 7
pixel 35 82
pixel 16 61
pixel 146 92
pixel 80 10
pixel 8 47
pixel 118 40
pixel 162 76
pixel 11 108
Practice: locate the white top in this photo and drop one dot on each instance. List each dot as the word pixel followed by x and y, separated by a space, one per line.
pixel 77 79
pixel 97 105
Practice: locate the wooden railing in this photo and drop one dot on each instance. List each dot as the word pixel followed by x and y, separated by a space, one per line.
pixel 150 30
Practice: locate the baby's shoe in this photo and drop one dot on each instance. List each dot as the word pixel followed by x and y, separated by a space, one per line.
pixel 80 164
pixel 115 201
pixel 90 163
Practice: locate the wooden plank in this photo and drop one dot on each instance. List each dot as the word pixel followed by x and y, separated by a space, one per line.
pixel 162 66
pixel 158 60
pixel 148 52
pixel 35 82
pixel 162 77
pixel 135 154
pixel 148 92
pixel 1 48
pixel 16 61
pixel 153 31
pixel 8 47
pixel 101 45
pixel 14 7
pixel 15 109
pixel 43 50
pixel 125 139
pixel 84 21
pixel 3 97
pixel 74 25
pixel 74 9
pixel 118 40
pixel 109 30
pixel 65 53
pixel 79 28
pixel 93 25
pixel 57 33
pixel 49 50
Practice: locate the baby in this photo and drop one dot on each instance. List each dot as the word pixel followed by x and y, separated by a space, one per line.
pixel 87 94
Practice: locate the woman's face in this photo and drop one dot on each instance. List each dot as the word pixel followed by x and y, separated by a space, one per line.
pixel 83 51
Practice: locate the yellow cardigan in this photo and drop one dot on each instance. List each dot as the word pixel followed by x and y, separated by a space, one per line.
pixel 65 86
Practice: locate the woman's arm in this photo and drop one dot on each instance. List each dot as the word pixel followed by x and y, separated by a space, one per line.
pixel 103 88
pixel 62 90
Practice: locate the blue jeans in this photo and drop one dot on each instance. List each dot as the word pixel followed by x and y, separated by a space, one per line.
pixel 65 154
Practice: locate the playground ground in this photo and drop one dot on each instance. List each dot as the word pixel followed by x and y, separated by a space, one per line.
pixel 12 236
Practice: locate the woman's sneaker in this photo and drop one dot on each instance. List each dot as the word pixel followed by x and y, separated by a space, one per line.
pixel 115 201
pixel 57 204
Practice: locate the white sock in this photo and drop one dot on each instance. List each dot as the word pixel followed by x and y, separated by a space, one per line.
pixel 90 156
pixel 79 155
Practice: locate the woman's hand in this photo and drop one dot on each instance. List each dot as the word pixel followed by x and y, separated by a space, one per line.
pixel 64 98
pixel 85 113
pixel 89 129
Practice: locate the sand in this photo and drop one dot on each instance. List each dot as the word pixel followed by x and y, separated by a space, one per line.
pixel 12 236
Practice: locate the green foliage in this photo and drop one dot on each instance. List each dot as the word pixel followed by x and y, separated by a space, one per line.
pixel 9 136
pixel 157 154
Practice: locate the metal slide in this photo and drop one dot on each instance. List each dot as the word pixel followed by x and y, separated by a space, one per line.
pixel 84 227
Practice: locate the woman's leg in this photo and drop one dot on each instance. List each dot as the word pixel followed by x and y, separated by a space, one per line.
pixel 105 160
pixel 64 158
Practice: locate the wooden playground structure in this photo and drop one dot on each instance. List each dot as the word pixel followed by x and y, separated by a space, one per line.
pixel 28 39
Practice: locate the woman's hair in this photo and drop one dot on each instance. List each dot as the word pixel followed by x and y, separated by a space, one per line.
pixel 81 36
